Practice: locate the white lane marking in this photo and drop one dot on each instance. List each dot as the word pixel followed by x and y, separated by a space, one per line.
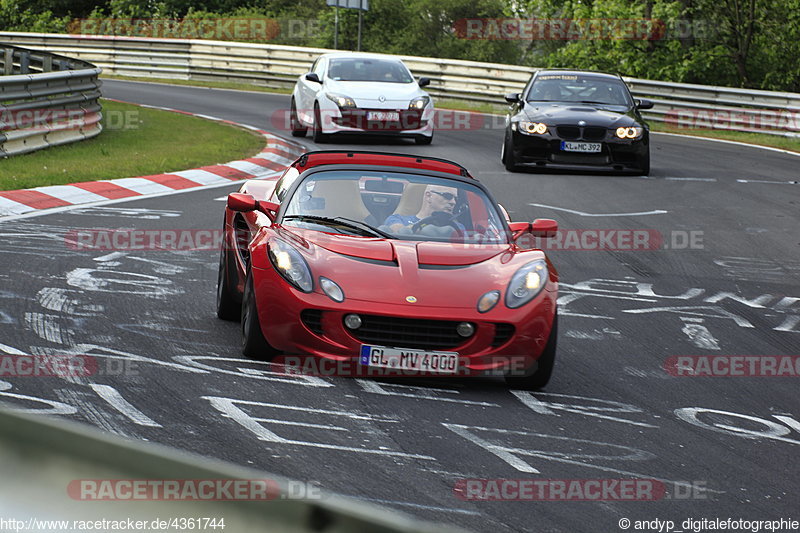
pixel 121 282
pixel 250 168
pixel 280 373
pixel 209 117
pixel 131 212
pixel 698 334
pixel 581 213
pixel 301 424
pixel 43 212
pixel 55 408
pixel 221 199
pixel 228 408
pixel 773 430
pixel 789 421
pixel 10 207
pixel 421 393
pixel 115 400
pixel 790 182
pixel 140 185
pixel 110 257
pixel 605 406
pixel 689 179
pixel 416 505
pixel 697 137
pixel 11 351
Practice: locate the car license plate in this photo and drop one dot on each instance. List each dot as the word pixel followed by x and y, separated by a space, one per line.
pixel 401 359
pixel 567 146
pixel 388 116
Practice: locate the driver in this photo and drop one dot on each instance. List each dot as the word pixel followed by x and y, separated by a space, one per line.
pixel 438 202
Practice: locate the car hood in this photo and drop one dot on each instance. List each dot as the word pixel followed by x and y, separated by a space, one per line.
pixel 436 274
pixel 603 116
pixel 372 90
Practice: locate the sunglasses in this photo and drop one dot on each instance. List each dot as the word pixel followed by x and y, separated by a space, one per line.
pixel 446 195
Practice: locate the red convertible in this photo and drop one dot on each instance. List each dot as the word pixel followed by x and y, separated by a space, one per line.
pixel 388 261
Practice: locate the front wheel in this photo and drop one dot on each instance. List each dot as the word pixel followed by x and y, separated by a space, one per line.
pixel 644 164
pixel 227 306
pixel 543 367
pixel 319 136
pixel 253 342
pixel 423 139
pixel 507 155
pixel 298 130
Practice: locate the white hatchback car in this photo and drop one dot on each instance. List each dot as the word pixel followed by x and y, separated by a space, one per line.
pixel 361 93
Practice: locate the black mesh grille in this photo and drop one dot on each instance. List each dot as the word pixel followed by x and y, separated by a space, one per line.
pixel 312 319
pixel 408 332
pixel 502 333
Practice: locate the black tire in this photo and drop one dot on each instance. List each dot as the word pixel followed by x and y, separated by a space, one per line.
pixel 508 155
pixel 253 342
pixel 228 307
pixel 423 140
pixel 319 137
pixel 298 130
pixel 544 365
pixel 644 165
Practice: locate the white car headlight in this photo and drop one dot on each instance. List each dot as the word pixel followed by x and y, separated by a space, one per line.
pixel 419 103
pixel 290 265
pixel 526 283
pixel 344 102
pixel 629 133
pixel 532 128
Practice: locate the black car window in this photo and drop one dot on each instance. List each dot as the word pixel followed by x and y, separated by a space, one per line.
pixel 578 89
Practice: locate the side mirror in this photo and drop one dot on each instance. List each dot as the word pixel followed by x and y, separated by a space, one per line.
pixel 513 98
pixel 424 82
pixel 312 76
pixel 544 227
pixel 244 203
pixel 518 229
pixel 643 103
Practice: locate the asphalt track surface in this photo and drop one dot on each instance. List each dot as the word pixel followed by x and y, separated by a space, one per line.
pixel 610 412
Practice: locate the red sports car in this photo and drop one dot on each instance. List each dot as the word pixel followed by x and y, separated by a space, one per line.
pixel 388 262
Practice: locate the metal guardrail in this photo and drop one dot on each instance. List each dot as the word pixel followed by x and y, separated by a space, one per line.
pixel 46 100
pixel 44 459
pixel 277 66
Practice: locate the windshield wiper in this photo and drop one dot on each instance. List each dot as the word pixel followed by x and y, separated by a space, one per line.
pixel 342 221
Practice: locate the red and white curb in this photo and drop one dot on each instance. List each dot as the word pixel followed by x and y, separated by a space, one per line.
pixel 269 163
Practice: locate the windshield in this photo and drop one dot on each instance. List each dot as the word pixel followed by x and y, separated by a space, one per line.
pixel 368 69
pixel 394 205
pixel 578 89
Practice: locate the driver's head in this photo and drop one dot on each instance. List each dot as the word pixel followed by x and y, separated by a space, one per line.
pixel 439 198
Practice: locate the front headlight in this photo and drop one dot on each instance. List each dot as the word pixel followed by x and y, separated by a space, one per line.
pixel 532 128
pixel 344 102
pixel 526 283
pixel 629 133
pixel 419 103
pixel 291 265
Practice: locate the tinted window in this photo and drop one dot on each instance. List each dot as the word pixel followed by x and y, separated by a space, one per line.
pixel 367 69
pixel 572 88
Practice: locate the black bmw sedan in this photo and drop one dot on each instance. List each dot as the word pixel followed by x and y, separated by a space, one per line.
pixel 576 120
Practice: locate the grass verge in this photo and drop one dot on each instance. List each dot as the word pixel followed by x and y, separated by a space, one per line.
pixel 136 141
pixel 773 141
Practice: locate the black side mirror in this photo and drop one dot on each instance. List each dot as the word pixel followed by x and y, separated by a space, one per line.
pixel 513 98
pixel 643 104
pixel 312 76
pixel 424 82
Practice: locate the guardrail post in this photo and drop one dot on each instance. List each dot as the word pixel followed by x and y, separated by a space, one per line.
pixel 8 61
pixel 25 62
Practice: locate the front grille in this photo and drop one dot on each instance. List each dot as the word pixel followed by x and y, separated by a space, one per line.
pixel 408 332
pixel 312 319
pixel 410 119
pixel 594 134
pixel 569 133
pixel 502 332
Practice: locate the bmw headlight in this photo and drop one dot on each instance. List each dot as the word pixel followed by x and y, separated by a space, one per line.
pixel 419 103
pixel 629 133
pixel 291 265
pixel 344 102
pixel 526 283
pixel 532 128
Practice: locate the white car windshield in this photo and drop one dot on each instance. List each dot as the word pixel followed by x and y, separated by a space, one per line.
pixel 368 69
pixel 395 205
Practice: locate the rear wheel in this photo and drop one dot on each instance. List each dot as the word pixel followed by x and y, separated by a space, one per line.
pixel 543 368
pixel 227 306
pixel 319 136
pixel 507 155
pixel 253 342
pixel 298 130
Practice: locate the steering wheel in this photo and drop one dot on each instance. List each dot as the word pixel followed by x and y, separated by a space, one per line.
pixel 437 218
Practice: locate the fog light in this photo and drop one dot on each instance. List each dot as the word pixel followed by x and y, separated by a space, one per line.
pixel 352 321
pixel 465 329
